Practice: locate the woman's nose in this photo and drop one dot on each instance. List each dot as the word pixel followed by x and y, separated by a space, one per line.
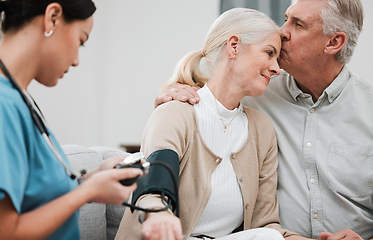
pixel 275 68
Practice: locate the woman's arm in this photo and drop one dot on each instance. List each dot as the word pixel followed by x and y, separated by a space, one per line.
pixel 165 139
pixel 103 187
pixel 161 226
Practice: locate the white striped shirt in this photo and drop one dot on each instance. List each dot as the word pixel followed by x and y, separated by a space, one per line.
pixel 224 210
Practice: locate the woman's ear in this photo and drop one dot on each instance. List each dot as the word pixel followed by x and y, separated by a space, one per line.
pixel 52 16
pixel 335 43
pixel 232 44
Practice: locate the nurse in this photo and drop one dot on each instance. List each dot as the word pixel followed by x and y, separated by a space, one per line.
pixel 38 199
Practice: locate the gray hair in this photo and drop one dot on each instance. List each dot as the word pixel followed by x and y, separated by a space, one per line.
pixel 343 16
pixel 249 25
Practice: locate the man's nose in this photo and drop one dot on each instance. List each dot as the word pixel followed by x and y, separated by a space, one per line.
pixel 285 34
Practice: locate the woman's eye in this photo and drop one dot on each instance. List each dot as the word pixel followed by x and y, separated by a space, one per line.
pixel 270 53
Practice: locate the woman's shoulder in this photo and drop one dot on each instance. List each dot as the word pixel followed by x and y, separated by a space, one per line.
pixel 175 104
pixel 175 108
pixel 9 97
pixel 171 115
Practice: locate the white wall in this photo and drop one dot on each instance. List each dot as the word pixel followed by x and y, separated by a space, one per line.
pixel 132 51
pixel 362 62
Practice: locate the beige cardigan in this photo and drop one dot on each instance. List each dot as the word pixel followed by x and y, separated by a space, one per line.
pixel 174 126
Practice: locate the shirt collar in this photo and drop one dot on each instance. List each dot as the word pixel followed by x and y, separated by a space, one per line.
pixel 336 87
pixel 208 99
pixel 293 87
pixel 331 92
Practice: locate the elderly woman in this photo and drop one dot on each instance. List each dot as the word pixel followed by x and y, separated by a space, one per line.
pixel 225 154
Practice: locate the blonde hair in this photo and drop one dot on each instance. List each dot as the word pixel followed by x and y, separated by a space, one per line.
pixel 250 25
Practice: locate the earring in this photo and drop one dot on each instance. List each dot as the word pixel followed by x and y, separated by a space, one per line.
pixel 48 34
pixel 233 56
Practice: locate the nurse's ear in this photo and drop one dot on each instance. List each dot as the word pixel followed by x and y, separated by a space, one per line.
pixel 52 17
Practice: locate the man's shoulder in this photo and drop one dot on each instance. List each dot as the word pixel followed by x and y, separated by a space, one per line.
pixel 358 87
pixel 359 80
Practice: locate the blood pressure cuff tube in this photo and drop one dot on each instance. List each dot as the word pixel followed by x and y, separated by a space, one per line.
pixel 158 179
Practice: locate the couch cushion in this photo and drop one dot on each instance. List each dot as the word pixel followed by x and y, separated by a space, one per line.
pixel 114 213
pixel 92 216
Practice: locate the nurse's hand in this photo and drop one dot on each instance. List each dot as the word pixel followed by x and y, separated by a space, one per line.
pixel 105 165
pixel 161 226
pixel 109 163
pixel 180 92
pixel 104 186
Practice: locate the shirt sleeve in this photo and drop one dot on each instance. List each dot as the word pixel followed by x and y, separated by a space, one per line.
pixel 266 212
pixel 14 165
pixel 165 140
pixel 168 128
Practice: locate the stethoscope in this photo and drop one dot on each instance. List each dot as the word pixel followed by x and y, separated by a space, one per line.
pixel 38 121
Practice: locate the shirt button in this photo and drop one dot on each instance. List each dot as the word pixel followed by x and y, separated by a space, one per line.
pixel 242 180
pixel 247 206
pixel 309 144
pixel 312 110
pixel 315 216
pixel 233 156
pixel 312 180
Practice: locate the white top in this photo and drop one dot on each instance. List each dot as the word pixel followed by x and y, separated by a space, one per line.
pixel 224 210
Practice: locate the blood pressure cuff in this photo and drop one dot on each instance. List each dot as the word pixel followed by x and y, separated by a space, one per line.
pixel 159 179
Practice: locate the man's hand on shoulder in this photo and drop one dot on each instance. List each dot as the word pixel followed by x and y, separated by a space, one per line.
pixel 345 234
pixel 180 92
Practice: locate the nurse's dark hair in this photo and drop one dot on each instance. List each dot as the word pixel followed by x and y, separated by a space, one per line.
pixel 16 13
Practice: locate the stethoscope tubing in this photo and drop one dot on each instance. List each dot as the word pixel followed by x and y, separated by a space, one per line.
pixel 37 119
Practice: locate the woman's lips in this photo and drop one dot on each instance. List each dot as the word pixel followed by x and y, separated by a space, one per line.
pixel 267 78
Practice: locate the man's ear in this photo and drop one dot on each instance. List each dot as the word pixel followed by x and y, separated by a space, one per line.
pixel 335 43
pixel 232 45
pixel 52 16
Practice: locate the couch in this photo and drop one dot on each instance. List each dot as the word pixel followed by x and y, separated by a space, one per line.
pixel 96 221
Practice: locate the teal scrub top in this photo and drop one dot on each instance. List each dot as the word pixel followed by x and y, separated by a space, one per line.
pixel 29 171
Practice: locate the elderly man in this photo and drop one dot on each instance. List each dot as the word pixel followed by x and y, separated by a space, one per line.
pixel 323 115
